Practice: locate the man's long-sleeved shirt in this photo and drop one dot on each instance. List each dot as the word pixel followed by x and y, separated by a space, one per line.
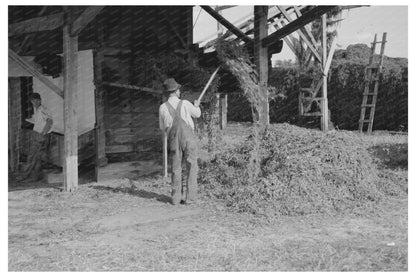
pixel 188 110
pixel 40 117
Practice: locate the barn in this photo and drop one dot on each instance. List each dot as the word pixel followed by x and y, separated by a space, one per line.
pixel 93 67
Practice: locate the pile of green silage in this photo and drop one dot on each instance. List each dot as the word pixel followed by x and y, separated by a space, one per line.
pixel 299 171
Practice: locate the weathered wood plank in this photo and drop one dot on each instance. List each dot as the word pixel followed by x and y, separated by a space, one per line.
pixel 324 102
pixel 122 148
pixel 126 86
pixel 70 50
pixel 261 59
pixel 15 122
pixel 330 56
pixel 38 24
pixel 99 92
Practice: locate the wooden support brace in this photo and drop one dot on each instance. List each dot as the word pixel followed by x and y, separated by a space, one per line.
pixel 38 24
pixel 145 89
pixel 86 17
pixel 236 31
pixel 286 39
pixel 220 8
pixel 330 56
pixel 310 44
pixel 305 28
pixel 306 18
pixel 33 71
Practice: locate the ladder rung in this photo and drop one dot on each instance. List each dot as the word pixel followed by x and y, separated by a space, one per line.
pixel 306 90
pixel 373 66
pixel 365 120
pixel 313 114
pixel 368 105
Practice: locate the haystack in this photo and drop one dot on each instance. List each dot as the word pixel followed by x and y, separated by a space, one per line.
pixel 302 171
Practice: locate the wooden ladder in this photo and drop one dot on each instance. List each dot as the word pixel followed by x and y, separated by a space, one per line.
pixel 372 77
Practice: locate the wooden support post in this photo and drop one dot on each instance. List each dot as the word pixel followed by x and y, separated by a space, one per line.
pixel 261 60
pixel 220 30
pixel 190 37
pixel 70 53
pixel 101 159
pixel 324 102
pixel 223 108
pixel 15 123
pixel 165 154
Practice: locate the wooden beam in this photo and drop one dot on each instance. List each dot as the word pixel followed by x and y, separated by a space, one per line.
pixel 306 18
pixel 220 8
pixel 330 56
pixel 288 39
pixel 227 24
pixel 29 38
pixel 324 102
pixel 312 46
pixel 70 52
pixel 36 73
pixel 145 89
pixel 261 60
pixel 307 30
pixel 38 24
pixel 15 122
pixel 86 17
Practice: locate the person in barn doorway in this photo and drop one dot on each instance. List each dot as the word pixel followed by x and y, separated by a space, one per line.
pixel 175 118
pixel 42 126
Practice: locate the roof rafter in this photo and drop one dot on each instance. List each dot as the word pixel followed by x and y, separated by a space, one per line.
pixel 37 24
pixel 86 17
pixel 298 23
pixel 236 31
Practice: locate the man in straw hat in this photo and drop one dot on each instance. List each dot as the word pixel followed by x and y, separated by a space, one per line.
pixel 175 118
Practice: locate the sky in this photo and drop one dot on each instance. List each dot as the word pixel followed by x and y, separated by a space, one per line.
pixel 359 26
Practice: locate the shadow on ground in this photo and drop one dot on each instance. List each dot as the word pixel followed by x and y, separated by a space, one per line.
pixel 136 192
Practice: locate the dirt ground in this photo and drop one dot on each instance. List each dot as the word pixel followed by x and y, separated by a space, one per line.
pixel 129 225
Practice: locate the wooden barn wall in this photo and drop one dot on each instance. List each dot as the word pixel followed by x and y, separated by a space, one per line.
pixel 131 117
pixel 131 121
pixel 14 122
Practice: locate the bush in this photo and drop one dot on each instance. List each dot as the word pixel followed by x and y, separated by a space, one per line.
pixel 345 95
